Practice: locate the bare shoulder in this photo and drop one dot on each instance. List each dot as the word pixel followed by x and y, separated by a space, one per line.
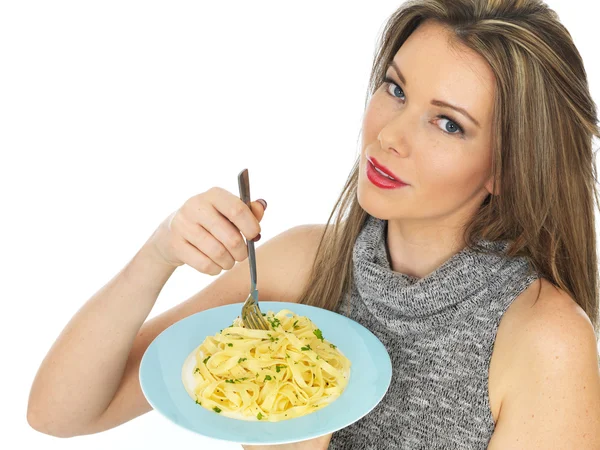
pixel 552 366
pixel 547 319
pixel 536 325
pixel 286 263
pixel 551 325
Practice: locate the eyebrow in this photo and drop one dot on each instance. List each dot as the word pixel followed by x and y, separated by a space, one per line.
pixel 434 102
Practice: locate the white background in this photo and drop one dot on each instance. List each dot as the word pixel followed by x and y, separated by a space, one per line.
pixel 113 113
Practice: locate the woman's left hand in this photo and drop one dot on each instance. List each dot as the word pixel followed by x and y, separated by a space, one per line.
pixel 320 443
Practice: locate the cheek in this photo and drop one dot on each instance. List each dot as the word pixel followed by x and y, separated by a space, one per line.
pixel 451 170
pixel 374 120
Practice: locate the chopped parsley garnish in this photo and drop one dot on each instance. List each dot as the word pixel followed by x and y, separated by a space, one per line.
pixel 333 346
pixel 268 377
pixel 318 334
pixel 295 324
pixel 306 348
pixel 196 370
pixel 242 359
pixel 206 359
pixel 259 415
pixel 217 409
pixel 230 344
pixel 278 367
pixel 237 380
pixel 275 322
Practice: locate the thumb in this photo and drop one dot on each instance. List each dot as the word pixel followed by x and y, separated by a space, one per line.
pixel 258 208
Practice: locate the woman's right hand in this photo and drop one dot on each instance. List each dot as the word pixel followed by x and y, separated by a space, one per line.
pixel 207 232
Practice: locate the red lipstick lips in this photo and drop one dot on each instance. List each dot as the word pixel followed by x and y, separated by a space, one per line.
pixel 381 176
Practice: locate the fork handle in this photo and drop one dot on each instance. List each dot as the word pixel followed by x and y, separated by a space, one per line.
pixel 244 185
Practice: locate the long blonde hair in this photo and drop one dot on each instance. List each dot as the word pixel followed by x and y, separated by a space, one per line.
pixel 545 121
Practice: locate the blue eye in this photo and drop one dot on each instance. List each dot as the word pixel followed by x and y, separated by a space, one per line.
pixel 397 88
pixel 452 127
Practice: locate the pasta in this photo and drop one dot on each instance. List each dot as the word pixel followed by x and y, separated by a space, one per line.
pixel 287 371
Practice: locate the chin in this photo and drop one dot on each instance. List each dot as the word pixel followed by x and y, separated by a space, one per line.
pixel 372 205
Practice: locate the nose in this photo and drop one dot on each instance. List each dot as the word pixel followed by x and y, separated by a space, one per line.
pixel 392 136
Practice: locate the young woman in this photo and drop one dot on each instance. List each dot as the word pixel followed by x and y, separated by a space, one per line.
pixel 464 240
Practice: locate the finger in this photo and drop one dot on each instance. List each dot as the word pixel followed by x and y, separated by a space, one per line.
pixel 236 211
pixel 193 257
pixel 206 243
pixel 258 209
pixel 222 229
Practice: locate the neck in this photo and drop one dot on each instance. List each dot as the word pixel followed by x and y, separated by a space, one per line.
pixel 418 250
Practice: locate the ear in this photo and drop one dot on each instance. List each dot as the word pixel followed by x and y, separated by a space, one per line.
pixel 489 184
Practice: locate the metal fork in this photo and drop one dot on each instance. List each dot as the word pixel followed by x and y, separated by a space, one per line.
pixel 251 315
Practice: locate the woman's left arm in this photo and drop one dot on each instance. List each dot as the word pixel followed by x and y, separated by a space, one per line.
pixel 553 398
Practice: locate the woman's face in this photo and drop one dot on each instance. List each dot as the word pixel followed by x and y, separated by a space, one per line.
pixel 446 161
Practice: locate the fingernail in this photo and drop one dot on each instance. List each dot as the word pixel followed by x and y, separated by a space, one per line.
pixel 263 202
pixel 257 238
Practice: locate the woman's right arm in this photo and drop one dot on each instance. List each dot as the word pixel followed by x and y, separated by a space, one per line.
pixel 80 374
pixel 88 382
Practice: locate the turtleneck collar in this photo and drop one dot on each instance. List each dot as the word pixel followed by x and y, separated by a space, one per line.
pixel 406 296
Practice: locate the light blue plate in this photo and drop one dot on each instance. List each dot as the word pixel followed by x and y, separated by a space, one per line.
pixel 160 377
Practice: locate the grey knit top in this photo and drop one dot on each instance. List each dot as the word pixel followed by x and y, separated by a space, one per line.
pixel 439 331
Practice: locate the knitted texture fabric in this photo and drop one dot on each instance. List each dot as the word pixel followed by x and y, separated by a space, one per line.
pixel 439 331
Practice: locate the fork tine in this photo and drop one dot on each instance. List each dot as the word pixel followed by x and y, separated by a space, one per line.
pixel 247 314
pixel 254 321
pixel 248 318
pixel 256 318
pixel 260 318
pixel 265 325
pixel 245 321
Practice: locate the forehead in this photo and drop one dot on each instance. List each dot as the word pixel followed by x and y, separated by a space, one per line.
pixel 436 66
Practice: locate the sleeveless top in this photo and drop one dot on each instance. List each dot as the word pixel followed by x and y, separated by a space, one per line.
pixel 439 331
